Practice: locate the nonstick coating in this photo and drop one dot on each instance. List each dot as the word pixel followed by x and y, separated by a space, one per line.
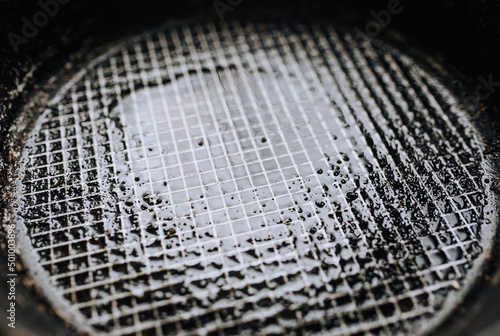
pixel 38 60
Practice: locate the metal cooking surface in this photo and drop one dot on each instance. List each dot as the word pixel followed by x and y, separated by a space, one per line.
pixel 227 178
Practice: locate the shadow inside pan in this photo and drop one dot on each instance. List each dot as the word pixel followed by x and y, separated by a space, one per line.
pixel 252 176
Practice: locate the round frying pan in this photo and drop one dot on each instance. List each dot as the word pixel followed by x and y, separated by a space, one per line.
pixel 249 168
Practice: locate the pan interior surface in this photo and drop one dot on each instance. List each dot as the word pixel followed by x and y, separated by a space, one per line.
pixel 240 177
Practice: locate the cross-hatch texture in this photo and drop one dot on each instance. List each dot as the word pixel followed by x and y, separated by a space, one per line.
pixel 242 177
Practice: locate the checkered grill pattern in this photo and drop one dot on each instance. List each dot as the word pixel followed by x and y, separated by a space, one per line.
pixel 243 177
